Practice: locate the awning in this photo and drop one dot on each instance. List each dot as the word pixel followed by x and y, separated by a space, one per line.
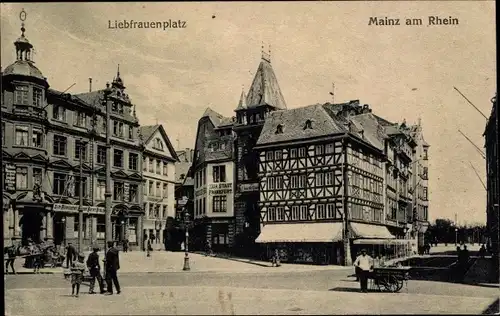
pixel 381 241
pixel 301 232
pixel 361 230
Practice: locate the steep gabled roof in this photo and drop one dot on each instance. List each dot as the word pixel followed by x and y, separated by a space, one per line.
pixel 148 132
pixel 265 89
pixel 217 119
pixel 213 116
pixel 373 132
pixel 293 122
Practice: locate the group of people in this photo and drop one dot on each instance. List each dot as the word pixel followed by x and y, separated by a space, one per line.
pixel 111 267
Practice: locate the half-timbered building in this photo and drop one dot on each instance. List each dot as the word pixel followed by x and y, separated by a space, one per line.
pixel 322 181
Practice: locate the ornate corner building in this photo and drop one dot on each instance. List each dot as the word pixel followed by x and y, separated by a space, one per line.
pixel 49 139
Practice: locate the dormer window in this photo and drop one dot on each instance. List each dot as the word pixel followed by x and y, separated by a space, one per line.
pixel 308 124
pixel 279 129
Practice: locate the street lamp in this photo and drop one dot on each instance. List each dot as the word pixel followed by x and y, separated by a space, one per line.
pixel 122 236
pixel 456 236
pixel 63 220
pixel 186 254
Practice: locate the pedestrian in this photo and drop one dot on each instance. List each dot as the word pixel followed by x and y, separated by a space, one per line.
pixel 125 245
pixel 70 255
pixel 365 265
pixel 356 269
pixel 149 247
pixel 11 258
pixel 482 251
pixel 276 258
pixel 77 270
pixel 95 271
pixel 112 267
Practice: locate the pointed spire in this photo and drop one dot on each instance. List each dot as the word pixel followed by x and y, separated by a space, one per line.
pixel 242 104
pixel 265 89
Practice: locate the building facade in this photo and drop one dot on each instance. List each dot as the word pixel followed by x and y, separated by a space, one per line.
pixel 159 158
pixel 264 96
pixel 493 184
pixel 213 171
pixel 50 138
pixel 332 181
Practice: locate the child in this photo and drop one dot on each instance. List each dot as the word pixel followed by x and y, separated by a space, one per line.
pixel 37 262
pixel 77 275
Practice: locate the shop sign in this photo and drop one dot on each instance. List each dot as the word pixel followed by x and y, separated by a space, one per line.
pixel 10 178
pixel 249 187
pixel 71 208
pixel 220 188
pixel 201 191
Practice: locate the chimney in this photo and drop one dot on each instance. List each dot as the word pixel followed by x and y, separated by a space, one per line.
pixel 90 84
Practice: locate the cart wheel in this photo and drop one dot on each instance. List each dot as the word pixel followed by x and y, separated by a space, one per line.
pixel 393 284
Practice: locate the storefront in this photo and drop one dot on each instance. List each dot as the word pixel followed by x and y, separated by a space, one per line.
pixel 314 243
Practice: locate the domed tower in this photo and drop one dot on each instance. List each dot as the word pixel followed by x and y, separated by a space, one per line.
pixel 24 148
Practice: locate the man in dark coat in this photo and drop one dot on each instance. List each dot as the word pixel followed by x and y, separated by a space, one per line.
pixel 95 271
pixel 70 255
pixel 112 266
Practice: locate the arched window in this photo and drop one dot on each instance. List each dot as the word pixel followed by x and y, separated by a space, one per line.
pixel 279 129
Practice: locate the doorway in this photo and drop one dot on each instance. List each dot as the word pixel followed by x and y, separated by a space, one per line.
pixel 31 226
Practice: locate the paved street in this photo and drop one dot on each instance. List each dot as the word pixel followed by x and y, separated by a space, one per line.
pixel 239 293
pixel 157 285
pixel 163 261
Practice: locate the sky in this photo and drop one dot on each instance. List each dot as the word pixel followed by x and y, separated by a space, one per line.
pixel 173 75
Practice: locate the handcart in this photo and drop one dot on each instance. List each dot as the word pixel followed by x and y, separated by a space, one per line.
pixel 390 279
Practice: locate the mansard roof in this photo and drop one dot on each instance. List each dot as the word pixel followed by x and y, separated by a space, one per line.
pixel 265 89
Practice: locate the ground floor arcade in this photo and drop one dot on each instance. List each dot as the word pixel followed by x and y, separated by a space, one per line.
pixel 59 223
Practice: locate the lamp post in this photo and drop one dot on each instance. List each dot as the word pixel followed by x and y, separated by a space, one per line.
pixel 456 236
pixel 186 254
pixel 122 235
pixel 63 221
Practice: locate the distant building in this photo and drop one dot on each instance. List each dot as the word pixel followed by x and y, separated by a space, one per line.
pixel 213 171
pixel 493 182
pixel 159 158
